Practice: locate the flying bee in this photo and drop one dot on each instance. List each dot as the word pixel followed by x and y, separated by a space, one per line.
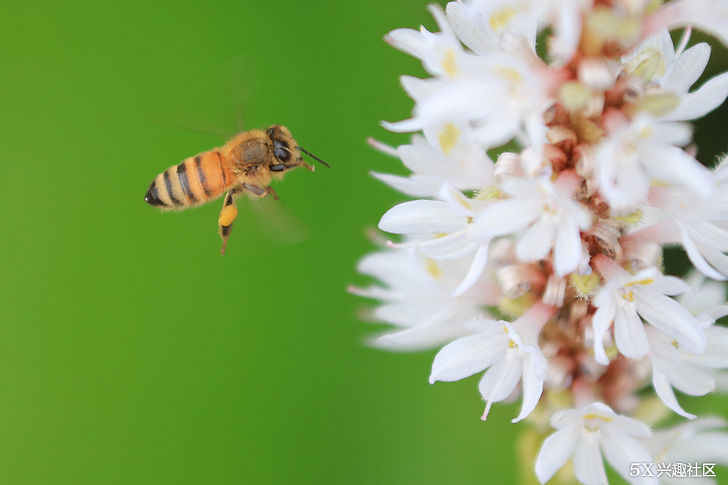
pixel 246 163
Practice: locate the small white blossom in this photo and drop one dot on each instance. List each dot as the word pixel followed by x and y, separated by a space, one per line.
pixel 625 298
pixel 704 440
pixel 585 434
pixel 417 299
pixel 549 214
pixel 509 351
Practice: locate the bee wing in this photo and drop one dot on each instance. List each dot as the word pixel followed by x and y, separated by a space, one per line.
pixel 275 223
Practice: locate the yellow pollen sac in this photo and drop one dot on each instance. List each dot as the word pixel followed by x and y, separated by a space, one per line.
pixel 501 18
pixel 228 215
pixel 632 218
pixel 432 268
pixel 449 64
pixel 449 137
pixel 470 220
pixel 644 282
pixel 509 74
pixel 675 344
pixel 511 344
pixel 505 329
pixel 629 296
pixel 606 419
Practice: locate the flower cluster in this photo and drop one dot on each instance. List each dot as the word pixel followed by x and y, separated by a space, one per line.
pixel 542 269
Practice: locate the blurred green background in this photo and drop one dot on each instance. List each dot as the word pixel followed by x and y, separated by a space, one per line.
pixel 131 352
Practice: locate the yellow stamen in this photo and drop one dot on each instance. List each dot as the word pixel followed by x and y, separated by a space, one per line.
pixel 644 282
pixel 449 137
pixel 449 64
pixel 432 268
pixel 501 18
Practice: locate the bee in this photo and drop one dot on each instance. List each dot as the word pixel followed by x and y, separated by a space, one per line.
pixel 247 163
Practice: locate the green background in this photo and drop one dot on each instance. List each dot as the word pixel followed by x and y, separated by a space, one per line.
pixel 131 352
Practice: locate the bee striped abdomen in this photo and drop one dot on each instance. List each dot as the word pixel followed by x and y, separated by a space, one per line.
pixel 195 181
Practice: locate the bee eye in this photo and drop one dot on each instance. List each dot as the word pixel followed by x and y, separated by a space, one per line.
pixel 281 152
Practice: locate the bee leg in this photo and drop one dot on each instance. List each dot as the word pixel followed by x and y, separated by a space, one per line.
pixel 227 215
pixel 269 191
pixel 310 167
pixel 259 191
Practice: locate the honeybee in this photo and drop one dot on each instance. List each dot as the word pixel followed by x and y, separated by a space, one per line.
pixel 248 162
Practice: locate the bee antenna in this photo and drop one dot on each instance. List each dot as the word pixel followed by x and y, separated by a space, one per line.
pixel 313 156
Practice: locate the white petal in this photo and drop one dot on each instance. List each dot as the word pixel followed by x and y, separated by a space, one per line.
pixel 703 101
pixel 567 250
pixel 406 185
pixel 697 258
pixel 588 464
pixel 404 126
pixel 629 334
pixel 670 285
pixel 422 217
pixel 667 163
pixel 407 40
pixel 664 391
pixel 601 321
pixel 467 356
pixel 692 380
pixel 469 26
pixel 424 336
pixel 534 371
pixel 687 68
pixel 474 272
pixel 672 318
pixel 556 451
pixel 536 242
pixel 506 217
pixel 502 378
pixel 621 450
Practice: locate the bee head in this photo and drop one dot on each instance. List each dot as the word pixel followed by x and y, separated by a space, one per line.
pixel 285 155
pixel 286 152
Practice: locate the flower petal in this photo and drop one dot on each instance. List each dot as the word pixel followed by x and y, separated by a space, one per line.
pixel 506 217
pixel 629 334
pixel 422 217
pixel 467 356
pixel 703 101
pixel 664 391
pixel 601 321
pixel 687 68
pixel 502 378
pixel 672 318
pixel 474 272
pixel 588 464
pixel 556 451
pixel 534 371
pixel 621 450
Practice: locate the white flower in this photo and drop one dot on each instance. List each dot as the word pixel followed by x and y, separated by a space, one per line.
pixel 417 298
pixel 641 151
pixel 448 154
pixel 548 213
pixel 508 350
pixel 689 372
pixel 703 441
pixel 625 298
pixel 444 227
pixel 585 434
pixel 674 366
